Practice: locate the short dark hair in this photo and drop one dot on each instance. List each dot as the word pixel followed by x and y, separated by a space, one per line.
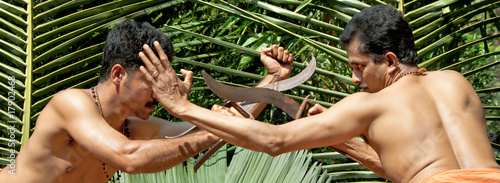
pixel 125 41
pixel 381 29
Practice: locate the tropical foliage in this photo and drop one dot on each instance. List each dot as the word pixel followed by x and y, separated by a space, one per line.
pixel 48 46
pixel 246 166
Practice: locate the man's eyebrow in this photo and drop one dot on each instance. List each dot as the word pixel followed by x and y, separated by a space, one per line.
pixel 354 62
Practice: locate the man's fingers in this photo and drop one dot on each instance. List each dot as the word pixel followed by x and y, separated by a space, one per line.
pixel 285 56
pixel 150 67
pixel 147 74
pixel 223 110
pixel 281 50
pixel 312 111
pixel 316 109
pixel 274 47
pixel 163 57
pixel 290 58
pixel 153 58
pixel 266 50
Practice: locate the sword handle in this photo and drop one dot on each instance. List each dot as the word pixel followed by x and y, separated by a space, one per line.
pixel 221 142
pixel 303 106
pixel 209 153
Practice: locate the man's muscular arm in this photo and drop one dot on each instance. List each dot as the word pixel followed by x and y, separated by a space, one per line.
pixel 86 126
pixel 340 123
pixel 355 149
pixel 362 153
pixel 278 63
pixel 155 128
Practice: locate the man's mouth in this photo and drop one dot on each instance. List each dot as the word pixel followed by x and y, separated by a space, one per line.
pixel 362 86
pixel 152 104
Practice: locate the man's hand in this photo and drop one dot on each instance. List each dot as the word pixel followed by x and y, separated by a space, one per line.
pixel 316 109
pixel 277 61
pixel 168 88
pixel 223 110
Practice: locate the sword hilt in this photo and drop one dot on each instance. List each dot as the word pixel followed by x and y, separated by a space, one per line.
pixel 221 142
pixel 303 106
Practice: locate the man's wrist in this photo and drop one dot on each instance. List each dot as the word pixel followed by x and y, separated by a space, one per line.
pixel 177 108
pixel 268 79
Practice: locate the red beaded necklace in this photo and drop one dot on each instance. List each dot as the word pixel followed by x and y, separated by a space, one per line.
pixel 419 72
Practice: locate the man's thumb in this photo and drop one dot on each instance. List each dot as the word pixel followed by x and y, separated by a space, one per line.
pixel 188 77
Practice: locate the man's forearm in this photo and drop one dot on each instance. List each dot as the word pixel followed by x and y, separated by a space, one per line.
pixel 161 154
pixel 362 153
pixel 247 133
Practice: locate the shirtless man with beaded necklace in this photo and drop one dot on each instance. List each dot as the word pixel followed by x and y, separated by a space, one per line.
pixel 426 126
pixel 81 134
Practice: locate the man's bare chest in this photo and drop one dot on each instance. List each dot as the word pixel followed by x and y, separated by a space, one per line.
pixel 84 167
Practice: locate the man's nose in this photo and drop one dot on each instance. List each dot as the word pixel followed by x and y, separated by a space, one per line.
pixel 356 78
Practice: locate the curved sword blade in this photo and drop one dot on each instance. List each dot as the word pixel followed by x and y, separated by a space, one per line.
pixel 296 80
pixel 239 94
pixel 279 86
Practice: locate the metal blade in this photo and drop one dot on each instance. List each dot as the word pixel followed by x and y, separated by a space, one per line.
pixel 209 153
pixel 288 83
pixel 239 94
pixel 279 86
pixel 295 80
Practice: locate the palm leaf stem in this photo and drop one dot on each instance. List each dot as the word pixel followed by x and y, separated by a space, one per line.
pixel 468 73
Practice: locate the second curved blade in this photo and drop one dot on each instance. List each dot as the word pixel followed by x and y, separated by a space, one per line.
pixel 295 80
pixel 240 94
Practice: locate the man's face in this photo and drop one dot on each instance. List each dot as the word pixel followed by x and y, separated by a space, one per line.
pixel 138 95
pixel 367 74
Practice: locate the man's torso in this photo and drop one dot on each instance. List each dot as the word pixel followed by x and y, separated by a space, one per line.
pixel 52 155
pixel 429 124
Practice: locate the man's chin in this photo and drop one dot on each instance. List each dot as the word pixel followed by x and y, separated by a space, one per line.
pixel 144 116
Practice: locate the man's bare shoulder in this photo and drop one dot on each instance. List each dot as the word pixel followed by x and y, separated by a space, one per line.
pixel 449 80
pixel 447 75
pixel 72 102
pixel 445 72
pixel 369 101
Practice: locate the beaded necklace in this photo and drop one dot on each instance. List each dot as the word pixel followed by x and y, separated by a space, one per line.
pixel 419 72
pixel 125 130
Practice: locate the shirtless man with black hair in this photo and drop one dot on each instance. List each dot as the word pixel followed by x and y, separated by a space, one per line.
pixel 425 126
pixel 81 134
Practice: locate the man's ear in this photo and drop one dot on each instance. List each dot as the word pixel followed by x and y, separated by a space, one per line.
pixel 393 62
pixel 117 74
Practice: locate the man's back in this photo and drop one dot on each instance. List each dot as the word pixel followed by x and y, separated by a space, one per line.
pixel 428 124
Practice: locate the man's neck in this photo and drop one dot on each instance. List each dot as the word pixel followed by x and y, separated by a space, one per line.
pixel 402 69
pixel 113 110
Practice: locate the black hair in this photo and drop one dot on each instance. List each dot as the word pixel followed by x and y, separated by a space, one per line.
pixel 125 41
pixel 381 29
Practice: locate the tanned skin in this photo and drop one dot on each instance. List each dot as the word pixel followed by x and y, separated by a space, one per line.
pixel 418 125
pixel 72 140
